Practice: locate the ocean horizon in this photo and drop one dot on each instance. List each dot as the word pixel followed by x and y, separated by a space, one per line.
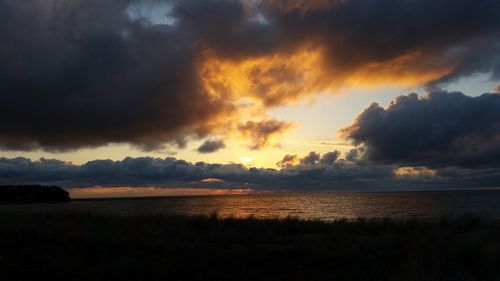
pixel 324 206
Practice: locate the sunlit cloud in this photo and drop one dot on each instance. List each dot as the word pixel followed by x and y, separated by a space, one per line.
pixel 270 80
pixel 208 180
pixel 263 133
pixel 408 70
pixel 416 172
pixel 288 161
pixel 152 73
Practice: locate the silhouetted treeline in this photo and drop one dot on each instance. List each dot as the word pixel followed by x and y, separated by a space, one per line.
pixel 32 194
pixel 86 246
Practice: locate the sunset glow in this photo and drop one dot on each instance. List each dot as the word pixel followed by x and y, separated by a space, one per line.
pixel 249 140
pixel 112 192
pixel 271 80
pixel 399 71
pixel 264 94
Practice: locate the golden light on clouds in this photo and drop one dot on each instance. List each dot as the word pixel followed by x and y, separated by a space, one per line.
pixel 408 71
pixel 253 85
pixel 284 78
pixel 271 80
pixel 264 133
pixel 414 172
pixel 211 180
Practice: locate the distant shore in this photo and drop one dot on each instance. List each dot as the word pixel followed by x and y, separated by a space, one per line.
pixel 85 246
pixel 21 194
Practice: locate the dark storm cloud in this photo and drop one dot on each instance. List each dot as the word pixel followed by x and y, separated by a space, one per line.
pixel 439 130
pixel 147 171
pixel 459 35
pixel 83 73
pixel 88 73
pixel 330 158
pixel 210 146
pixel 301 175
pixel 310 159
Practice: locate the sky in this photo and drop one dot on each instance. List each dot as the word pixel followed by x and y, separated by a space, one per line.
pixel 153 96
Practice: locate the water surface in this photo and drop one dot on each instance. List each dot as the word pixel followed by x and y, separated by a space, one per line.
pixel 322 206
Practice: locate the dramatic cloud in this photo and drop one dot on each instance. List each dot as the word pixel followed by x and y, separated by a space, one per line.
pixel 330 158
pixel 439 130
pixel 299 173
pixel 288 161
pixel 171 172
pixel 210 146
pixel 261 133
pixel 85 73
pixel 310 159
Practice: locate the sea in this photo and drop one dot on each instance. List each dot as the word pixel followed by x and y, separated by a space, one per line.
pixel 325 206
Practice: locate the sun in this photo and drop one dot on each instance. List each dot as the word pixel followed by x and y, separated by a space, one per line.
pixel 246 160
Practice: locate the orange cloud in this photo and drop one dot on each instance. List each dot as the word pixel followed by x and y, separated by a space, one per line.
pixel 270 80
pixel 252 85
pixel 216 64
pixel 288 161
pixel 414 172
pixel 408 70
pixel 283 78
pixel 262 133
pixel 209 180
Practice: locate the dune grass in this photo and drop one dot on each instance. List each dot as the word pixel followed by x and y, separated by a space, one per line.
pixel 80 246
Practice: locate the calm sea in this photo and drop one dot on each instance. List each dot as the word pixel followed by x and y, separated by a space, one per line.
pixel 322 206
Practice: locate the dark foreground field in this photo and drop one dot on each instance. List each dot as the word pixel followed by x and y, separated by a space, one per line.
pixel 99 247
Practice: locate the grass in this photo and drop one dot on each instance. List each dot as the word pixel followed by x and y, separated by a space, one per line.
pixel 80 246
